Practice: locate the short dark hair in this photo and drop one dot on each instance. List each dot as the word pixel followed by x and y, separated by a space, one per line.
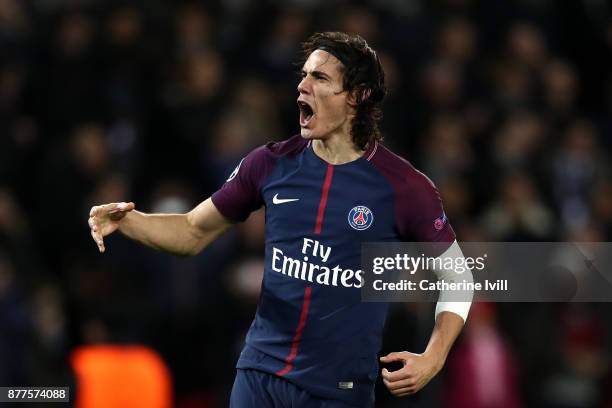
pixel 362 75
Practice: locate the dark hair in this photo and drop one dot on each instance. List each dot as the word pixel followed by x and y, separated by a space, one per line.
pixel 362 75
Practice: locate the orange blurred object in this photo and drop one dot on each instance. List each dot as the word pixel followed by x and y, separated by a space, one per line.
pixel 110 376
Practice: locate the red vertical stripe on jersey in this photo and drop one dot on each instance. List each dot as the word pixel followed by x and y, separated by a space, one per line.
pixel 323 202
pixel 298 333
pixel 306 304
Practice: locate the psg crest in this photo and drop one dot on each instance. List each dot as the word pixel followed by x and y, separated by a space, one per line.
pixel 360 218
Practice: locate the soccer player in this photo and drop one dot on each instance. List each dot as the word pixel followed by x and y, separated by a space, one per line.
pixel 313 343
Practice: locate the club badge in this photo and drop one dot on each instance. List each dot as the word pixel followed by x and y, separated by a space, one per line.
pixel 360 218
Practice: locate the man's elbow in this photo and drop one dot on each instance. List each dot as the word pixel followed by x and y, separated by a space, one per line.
pixel 197 243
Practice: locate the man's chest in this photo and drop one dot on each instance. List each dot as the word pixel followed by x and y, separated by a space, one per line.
pixel 338 204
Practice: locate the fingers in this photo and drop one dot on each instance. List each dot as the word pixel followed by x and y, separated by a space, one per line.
pixel 95 234
pixel 393 376
pixel 98 240
pixel 416 372
pixel 99 210
pixel 404 391
pixel 122 207
pixel 402 387
pixel 99 213
pixel 395 356
pixel 399 384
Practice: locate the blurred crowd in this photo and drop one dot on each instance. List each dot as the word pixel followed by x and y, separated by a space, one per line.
pixel 506 105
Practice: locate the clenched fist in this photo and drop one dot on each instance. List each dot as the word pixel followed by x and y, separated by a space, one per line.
pixel 104 220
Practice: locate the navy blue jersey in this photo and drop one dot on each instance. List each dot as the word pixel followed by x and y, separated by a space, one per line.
pixel 311 326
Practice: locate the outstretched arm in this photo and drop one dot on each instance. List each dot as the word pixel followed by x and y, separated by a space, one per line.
pixel 179 234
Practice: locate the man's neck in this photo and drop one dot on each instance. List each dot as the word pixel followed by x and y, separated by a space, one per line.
pixel 337 149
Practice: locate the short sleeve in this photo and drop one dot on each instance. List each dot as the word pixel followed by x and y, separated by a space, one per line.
pixel 420 213
pixel 241 193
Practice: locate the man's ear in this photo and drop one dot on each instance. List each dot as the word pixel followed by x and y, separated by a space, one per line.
pixel 358 96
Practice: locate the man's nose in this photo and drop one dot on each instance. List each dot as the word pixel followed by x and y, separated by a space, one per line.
pixel 304 86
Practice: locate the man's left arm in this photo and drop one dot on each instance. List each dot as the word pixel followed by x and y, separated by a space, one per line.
pixel 419 369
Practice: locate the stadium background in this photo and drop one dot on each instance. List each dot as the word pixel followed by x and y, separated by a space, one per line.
pixel 507 106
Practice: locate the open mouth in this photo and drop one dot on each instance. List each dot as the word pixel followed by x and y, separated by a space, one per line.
pixel 306 113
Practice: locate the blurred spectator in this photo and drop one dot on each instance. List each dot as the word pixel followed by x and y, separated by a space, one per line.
pixel 358 20
pixel 442 85
pixel 13 223
pixel 578 167
pixel 14 25
pixel 526 45
pixel 193 30
pixel 254 101
pixel 447 152
pixel 575 382
pixel 17 239
pixel 457 41
pixel 601 204
pixel 517 141
pixel 560 91
pixel 287 31
pixel 513 86
pixel 455 193
pixel 49 320
pixel 482 372
pixel 16 325
pixel 231 140
pixel 518 214
pixel 70 89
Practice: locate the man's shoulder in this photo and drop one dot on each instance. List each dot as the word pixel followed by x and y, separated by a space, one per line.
pixel 289 147
pixel 399 171
pixel 419 211
pixel 265 156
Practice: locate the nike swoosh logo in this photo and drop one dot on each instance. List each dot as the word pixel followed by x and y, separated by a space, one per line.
pixel 277 200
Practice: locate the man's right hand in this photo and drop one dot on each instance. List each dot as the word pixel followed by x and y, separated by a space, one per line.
pixel 105 219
